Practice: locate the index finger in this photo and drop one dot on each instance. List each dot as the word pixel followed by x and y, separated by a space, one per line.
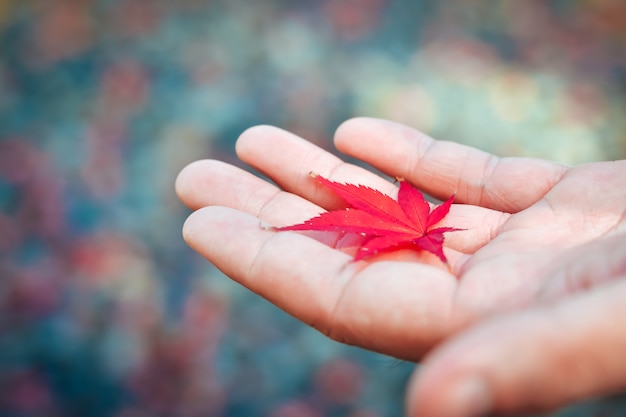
pixel 443 168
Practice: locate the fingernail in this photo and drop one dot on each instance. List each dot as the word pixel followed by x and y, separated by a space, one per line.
pixel 469 398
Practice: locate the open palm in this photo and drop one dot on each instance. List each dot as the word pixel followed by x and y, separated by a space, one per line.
pixel 524 219
pixel 538 274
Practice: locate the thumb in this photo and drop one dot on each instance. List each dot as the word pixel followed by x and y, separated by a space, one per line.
pixel 534 360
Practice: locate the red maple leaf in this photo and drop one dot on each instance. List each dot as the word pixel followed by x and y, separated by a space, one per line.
pixel 384 223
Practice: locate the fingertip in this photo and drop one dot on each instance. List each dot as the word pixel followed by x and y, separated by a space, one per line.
pixel 192 225
pixel 465 396
pixel 217 229
pixel 353 128
pixel 249 138
pixel 184 183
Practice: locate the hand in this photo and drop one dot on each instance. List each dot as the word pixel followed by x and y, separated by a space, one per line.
pixel 529 223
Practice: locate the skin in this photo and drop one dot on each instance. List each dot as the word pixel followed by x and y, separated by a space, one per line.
pixel 528 315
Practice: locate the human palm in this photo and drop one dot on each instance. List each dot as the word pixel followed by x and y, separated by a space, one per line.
pixel 527 222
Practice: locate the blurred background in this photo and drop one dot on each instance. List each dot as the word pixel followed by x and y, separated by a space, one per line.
pixel 103 309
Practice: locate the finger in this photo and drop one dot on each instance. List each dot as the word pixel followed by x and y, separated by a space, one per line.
pixel 215 183
pixel 200 183
pixel 531 361
pixel 398 308
pixel 444 168
pixel 208 182
pixel 289 160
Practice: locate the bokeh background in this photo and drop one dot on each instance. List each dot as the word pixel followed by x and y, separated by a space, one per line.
pixel 103 309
